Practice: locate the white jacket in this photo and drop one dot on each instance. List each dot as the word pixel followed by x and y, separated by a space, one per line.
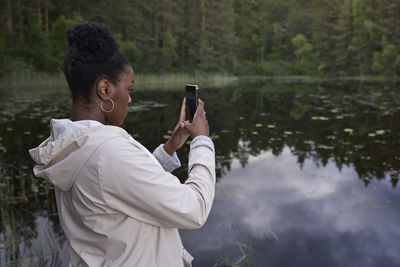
pixel 116 203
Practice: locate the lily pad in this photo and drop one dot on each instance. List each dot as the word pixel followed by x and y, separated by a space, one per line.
pixel 325 147
pixel 259 125
pixel 309 142
pixel 214 137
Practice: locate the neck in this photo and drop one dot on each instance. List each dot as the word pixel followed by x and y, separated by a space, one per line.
pixel 81 111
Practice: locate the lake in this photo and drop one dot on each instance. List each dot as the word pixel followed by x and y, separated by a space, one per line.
pixel 307 173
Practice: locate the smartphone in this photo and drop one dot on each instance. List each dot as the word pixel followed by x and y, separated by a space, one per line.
pixel 192 99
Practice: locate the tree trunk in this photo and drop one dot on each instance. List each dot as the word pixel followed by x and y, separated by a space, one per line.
pixel 203 34
pixel 9 16
pixel 155 21
pixel 169 11
pixel 46 17
pixel 203 16
pixel 20 19
pixel 39 14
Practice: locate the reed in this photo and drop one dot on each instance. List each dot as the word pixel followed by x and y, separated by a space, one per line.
pixel 29 79
pixel 177 80
pixel 41 81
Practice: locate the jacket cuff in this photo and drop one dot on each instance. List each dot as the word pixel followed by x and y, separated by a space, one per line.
pixel 202 140
pixel 169 163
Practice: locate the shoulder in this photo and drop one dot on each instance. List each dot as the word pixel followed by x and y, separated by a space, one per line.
pixel 118 150
pixel 107 131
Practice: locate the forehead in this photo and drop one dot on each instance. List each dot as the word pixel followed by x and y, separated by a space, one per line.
pixel 127 74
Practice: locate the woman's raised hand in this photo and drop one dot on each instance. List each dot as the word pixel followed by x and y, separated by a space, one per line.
pixel 199 125
pixel 180 134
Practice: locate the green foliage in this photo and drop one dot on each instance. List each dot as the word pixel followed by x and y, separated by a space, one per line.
pixel 387 61
pixel 268 37
pixel 278 49
pixel 326 16
pixel 306 62
pixel 37 49
pixel 361 44
pixel 58 40
pixel 131 52
pixel 304 49
pixel 169 57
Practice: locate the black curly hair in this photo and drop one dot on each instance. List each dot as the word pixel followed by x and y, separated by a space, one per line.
pixel 92 54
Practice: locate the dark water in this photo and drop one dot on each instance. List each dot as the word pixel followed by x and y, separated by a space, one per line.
pixel 307 174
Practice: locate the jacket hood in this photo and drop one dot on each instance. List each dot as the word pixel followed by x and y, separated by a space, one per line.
pixel 60 157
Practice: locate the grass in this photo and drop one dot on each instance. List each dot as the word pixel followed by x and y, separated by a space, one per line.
pixel 28 79
pixel 166 81
pixel 40 80
pixel 317 79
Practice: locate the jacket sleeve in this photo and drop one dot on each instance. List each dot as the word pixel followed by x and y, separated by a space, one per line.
pixel 169 163
pixel 133 184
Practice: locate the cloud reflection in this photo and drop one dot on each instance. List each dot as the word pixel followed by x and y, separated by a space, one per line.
pixel 292 217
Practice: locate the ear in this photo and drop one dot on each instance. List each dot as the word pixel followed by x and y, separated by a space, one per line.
pixel 105 89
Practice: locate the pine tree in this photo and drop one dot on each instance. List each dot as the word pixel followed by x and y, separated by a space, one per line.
pixel 343 30
pixel 361 43
pixel 325 16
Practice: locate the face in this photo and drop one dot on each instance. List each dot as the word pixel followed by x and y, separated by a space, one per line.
pixel 122 97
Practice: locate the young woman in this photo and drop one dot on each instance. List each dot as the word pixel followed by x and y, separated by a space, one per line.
pixel 118 204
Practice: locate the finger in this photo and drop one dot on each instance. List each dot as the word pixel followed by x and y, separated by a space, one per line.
pixel 199 110
pixel 182 114
pixel 187 124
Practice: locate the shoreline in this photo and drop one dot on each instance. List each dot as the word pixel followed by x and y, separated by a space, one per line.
pixel 169 80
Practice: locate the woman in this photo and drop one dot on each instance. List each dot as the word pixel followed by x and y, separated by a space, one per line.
pixel 118 204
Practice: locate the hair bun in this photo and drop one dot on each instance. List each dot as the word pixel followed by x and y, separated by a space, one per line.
pixel 93 40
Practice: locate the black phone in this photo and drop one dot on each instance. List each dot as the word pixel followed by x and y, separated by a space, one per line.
pixel 192 99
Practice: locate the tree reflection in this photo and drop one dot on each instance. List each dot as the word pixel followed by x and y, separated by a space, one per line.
pixel 348 124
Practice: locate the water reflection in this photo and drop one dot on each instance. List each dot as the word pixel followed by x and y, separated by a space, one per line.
pixel 288 216
pixel 302 168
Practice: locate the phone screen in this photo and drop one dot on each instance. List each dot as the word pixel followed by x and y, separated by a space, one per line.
pixel 191 101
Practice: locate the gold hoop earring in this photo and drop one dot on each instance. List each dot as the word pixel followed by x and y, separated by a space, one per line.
pixel 107 111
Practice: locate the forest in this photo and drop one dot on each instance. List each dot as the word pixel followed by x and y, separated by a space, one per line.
pixel 327 38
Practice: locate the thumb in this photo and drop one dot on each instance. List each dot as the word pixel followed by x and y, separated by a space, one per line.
pixel 187 124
